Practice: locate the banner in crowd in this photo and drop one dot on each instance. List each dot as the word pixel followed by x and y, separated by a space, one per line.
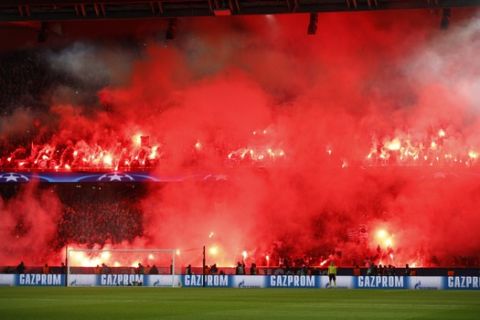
pixel 244 281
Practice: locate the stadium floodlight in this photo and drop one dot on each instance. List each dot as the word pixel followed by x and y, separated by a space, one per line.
pixel 90 262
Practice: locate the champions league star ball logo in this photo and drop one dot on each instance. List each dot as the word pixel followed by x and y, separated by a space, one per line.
pixel 13 177
pixel 116 177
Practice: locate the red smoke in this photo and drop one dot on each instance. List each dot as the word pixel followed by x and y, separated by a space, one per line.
pixel 323 140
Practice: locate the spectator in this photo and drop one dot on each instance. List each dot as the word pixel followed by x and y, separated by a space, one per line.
pixel 214 269
pixel 21 267
pixel 154 270
pixel 380 270
pixel 407 270
pixel 239 270
pixel 253 269
pixel 413 272
pixel 98 269
pixel 140 269
pixel 46 269
pixel 370 269
pixel 105 269
pixel 391 270
pixel 188 270
pixel 279 271
pixel 356 271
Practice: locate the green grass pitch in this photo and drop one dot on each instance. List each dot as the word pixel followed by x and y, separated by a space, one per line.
pixel 211 303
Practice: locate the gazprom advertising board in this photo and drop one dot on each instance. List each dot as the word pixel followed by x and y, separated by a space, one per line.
pixel 425 283
pixel 211 280
pixel 293 281
pixel 462 283
pixel 343 282
pixel 244 281
pixel 381 282
pixel 36 279
pixel 115 280
pixel 123 280
pixel 247 282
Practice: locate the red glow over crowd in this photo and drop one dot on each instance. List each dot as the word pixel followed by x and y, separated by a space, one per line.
pixel 359 145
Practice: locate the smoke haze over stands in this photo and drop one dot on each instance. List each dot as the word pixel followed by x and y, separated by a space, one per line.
pixel 323 141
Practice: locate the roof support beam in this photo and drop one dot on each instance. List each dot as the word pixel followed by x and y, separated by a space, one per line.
pixel 60 10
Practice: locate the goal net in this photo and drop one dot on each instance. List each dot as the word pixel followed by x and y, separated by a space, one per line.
pixel 121 267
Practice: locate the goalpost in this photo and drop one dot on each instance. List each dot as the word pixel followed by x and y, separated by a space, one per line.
pixel 121 263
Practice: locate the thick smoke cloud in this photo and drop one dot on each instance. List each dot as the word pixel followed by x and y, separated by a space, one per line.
pixel 93 64
pixel 313 107
pixel 336 95
pixel 28 227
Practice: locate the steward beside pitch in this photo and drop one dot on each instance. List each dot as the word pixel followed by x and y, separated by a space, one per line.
pixel 332 274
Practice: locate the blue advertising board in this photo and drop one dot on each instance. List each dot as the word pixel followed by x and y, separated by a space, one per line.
pixel 246 281
pixel 37 279
pixel 381 282
pixel 211 280
pixel 461 283
pixel 115 280
pixel 293 281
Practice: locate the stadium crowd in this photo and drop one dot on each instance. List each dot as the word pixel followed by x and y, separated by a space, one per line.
pixel 98 223
pixel 96 214
pixel 242 269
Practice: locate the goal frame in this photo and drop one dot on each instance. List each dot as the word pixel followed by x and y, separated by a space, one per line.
pixel 173 253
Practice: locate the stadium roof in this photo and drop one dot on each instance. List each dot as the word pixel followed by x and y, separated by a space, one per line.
pixel 44 10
